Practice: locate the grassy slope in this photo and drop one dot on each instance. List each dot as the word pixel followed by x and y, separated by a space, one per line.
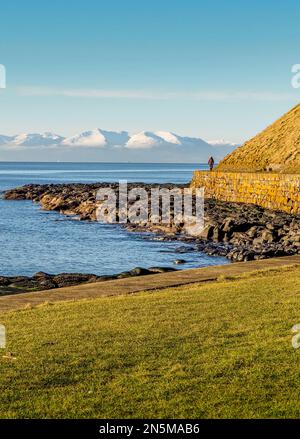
pixel 216 350
pixel 278 145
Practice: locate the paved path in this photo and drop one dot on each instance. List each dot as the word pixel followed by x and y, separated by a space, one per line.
pixel 141 283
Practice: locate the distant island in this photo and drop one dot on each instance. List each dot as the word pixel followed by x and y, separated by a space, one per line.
pixel 114 146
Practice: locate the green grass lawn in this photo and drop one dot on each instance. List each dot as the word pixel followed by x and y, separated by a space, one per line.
pixel 217 350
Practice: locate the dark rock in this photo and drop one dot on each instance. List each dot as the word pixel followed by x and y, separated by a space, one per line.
pixel 47 284
pixel 4 281
pixel 70 279
pixel 139 271
pixel 252 232
pixel 207 232
pixel 161 269
pixel 41 276
pixel 228 225
pixel 123 275
pixel 218 234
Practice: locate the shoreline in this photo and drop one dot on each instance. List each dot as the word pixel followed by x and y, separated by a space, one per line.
pixel 129 286
pixel 41 281
pixel 239 232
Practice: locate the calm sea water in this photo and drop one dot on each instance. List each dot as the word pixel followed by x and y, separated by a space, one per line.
pixel 33 240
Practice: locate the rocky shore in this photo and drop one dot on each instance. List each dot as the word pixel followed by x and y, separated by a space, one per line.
pixel 240 232
pixel 44 281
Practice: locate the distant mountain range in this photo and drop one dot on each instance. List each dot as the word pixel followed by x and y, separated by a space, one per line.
pixel 98 144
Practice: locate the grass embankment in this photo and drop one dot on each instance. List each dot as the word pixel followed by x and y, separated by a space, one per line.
pixel 216 350
pixel 276 147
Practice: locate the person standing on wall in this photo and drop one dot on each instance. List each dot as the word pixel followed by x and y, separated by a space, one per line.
pixel 211 163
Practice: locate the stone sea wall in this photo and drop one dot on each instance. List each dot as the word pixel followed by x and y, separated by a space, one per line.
pixel 269 190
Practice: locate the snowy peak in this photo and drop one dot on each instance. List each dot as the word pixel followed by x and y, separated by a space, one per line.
pixel 97 138
pixel 168 137
pixel 144 140
pixel 93 138
pixel 39 139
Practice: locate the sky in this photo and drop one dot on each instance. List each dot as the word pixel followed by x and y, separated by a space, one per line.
pixel 210 69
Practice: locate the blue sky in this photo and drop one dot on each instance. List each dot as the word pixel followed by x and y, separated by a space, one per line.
pixel 218 69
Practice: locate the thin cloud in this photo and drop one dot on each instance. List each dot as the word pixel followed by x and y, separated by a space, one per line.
pixel 87 93
pixel 215 96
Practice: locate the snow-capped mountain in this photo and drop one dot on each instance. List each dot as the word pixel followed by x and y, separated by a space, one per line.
pixel 168 137
pixel 144 140
pixel 34 139
pixel 97 138
pixel 148 140
pixel 102 145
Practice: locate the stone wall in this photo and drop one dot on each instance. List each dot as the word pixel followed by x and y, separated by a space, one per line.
pixel 269 190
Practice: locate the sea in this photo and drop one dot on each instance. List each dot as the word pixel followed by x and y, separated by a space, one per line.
pixel 33 240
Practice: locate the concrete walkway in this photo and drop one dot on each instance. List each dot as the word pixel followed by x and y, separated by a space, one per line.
pixel 141 283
